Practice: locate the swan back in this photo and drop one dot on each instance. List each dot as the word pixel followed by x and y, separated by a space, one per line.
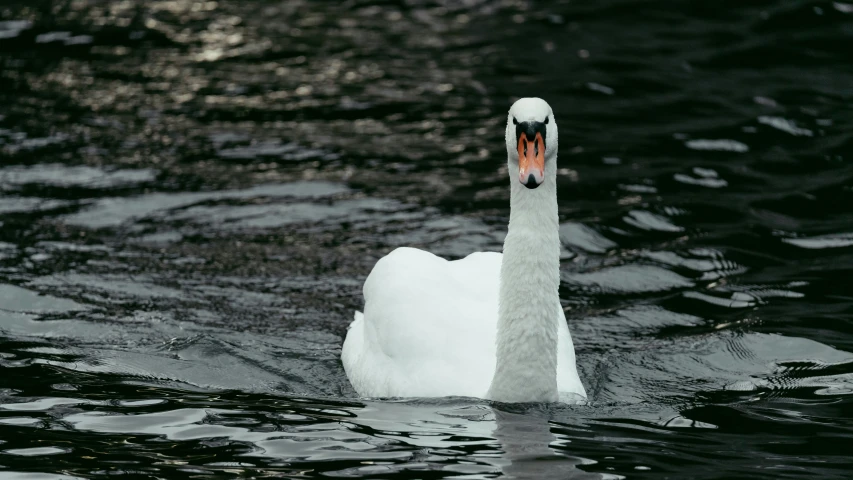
pixel 429 319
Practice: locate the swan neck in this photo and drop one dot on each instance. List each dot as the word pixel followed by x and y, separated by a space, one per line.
pixel 528 316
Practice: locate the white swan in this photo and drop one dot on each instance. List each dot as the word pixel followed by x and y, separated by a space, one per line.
pixel 489 325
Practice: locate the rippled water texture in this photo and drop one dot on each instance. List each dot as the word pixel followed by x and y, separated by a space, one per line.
pixel 194 191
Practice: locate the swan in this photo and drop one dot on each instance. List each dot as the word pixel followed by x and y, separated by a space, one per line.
pixel 489 325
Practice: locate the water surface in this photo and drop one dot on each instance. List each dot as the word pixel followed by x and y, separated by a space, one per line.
pixel 192 194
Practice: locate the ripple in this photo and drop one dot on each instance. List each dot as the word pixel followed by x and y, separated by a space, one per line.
pixel 650 221
pixel 11 475
pixel 843 7
pixel 20 142
pixel 629 279
pixel 59 175
pixel 23 421
pixel 583 237
pixel 141 403
pixel 785 125
pixel 272 216
pixel 597 87
pixel 45 404
pixel 37 451
pixel 628 327
pixel 155 347
pixel 721 145
pixel 19 299
pixel 28 204
pixel 728 361
pixel 824 372
pixel 312 443
pixel 764 291
pixel 113 212
pixel 275 149
pixel 735 300
pixel 705 177
pixel 52 37
pixel 679 421
pixel 13 28
pixel 634 188
pixel 110 288
pixel 832 240
pixel 710 264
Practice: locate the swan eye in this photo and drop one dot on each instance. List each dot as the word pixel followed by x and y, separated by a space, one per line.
pixel 514 121
pixel 546 120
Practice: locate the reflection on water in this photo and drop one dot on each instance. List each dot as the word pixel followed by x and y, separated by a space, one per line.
pixel 192 193
pixel 416 437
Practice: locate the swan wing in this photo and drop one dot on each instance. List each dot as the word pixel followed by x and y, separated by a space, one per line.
pixel 428 327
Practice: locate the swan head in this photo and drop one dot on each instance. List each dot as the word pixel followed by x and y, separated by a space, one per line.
pixel 531 140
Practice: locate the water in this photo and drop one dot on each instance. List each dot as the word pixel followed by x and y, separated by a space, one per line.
pixel 193 193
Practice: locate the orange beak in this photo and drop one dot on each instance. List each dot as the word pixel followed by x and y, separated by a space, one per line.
pixel 531 160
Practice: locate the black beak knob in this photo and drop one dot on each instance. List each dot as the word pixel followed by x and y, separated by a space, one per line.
pixel 531 182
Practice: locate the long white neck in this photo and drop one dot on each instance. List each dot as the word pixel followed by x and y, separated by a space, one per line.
pixel 526 369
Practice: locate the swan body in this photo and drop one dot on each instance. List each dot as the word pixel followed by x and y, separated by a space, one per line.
pixel 489 325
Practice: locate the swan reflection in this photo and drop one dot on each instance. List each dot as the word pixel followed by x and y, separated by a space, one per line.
pixel 382 436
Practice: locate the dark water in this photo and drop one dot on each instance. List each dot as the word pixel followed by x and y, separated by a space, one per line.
pixel 194 191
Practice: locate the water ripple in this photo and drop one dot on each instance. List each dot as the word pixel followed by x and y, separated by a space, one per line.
pixel 832 240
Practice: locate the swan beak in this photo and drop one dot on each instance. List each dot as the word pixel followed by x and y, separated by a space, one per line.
pixel 531 159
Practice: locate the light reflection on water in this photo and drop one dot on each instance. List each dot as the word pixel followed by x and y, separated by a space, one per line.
pixel 416 436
